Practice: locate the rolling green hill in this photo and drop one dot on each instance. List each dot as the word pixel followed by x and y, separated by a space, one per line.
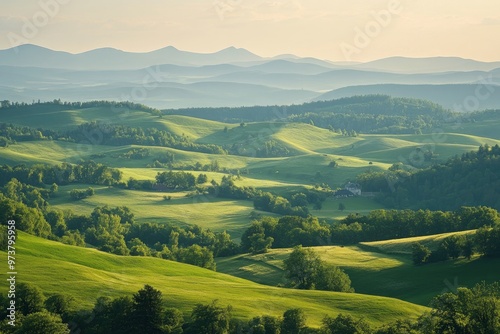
pixel 312 149
pixel 403 246
pixel 216 214
pixel 309 147
pixel 389 273
pixel 86 274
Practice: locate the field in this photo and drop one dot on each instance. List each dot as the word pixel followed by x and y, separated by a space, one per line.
pixel 330 209
pixel 403 246
pixel 377 268
pixel 217 214
pixel 86 274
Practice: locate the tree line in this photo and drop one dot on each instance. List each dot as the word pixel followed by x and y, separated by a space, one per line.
pixel 97 133
pixel 37 183
pixel 295 203
pixel 396 224
pixel 484 241
pixel 40 175
pixel 290 231
pixel 119 135
pixel 57 104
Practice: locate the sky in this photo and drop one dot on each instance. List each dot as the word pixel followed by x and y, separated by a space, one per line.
pixel 337 30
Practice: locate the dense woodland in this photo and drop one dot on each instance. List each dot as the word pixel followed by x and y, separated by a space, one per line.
pixel 472 179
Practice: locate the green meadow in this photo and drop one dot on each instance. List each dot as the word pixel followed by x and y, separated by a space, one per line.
pixel 376 268
pixel 86 274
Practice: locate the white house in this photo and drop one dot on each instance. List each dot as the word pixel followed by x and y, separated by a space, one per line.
pixel 354 188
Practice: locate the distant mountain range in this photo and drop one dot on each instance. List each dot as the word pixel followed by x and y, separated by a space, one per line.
pixel 113 59
pixel 171 78
pixel 428 65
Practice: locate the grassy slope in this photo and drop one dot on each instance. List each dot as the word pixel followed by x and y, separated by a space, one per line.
pixel 487 128
pixel 232 216
pixel 47 118
pixel 373 272
pixel 87 273
pixel 404 245
pixel 206 211
pixel 361 205
pixel 312 148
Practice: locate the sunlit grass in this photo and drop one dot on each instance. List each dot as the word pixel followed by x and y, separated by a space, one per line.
pixel 87 274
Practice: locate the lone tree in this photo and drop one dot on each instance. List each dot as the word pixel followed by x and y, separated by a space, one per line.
pixel 293 321
pixel 341 206
pixel 307 271
pixel 59 304
pixel 30 299
pixel 148 311
pixel 301 267
pixel 345 324
pixel 420 253
pixel 210 319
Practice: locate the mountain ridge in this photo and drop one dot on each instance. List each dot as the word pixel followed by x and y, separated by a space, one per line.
pixel 20 56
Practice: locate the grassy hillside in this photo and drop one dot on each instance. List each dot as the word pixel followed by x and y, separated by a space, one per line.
pixel 86 274
pixel 217 214
pixel 311 149
pixel 404 245
pixel 64 118
pixel 373 272
pixel 486 126
pixel 360 205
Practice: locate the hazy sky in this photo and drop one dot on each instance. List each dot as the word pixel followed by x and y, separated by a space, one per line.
pixel 337 30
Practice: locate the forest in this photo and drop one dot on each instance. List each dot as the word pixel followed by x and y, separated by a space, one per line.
pixel 470 179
